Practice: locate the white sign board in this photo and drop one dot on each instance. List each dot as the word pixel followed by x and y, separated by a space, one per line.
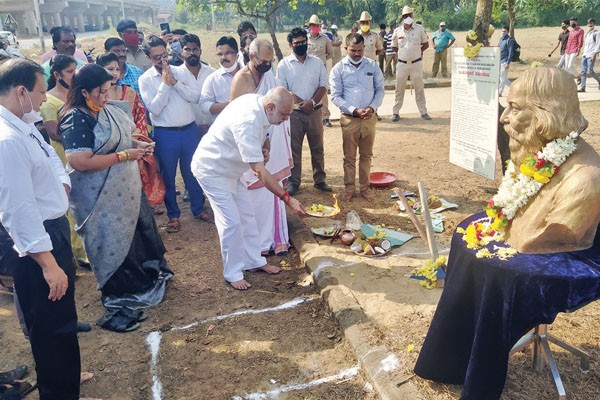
pixel 474 111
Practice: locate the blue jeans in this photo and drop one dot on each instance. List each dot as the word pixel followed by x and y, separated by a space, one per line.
pixel 587 67
pixel 173 146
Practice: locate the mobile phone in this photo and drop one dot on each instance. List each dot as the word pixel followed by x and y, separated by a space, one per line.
pixel 164 27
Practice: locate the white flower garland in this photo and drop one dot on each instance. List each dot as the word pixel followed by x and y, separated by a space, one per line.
pixel 516 190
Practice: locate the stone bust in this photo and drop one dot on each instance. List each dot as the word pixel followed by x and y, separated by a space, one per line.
pixel 563 216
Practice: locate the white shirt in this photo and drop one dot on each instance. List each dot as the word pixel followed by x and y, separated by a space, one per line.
pixel 233 141
pixel 169 106
pixel 302 79
pixel 409 41
pixel 31 184
pixel 591 43
pixel 202 117
pixel 215 90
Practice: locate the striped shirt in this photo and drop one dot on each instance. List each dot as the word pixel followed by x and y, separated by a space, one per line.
pixel 388 43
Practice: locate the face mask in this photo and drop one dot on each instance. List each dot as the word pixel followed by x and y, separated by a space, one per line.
pixel 442 28
pixel 246 57
pixel 264 67
pixel 408 21
pixel 573 25
pixel 63 83
pixel 301 50
pixel 32 116
pixel 334 31
pixel 315 30
pixel 355 62
pixel 365 28
pixel 131 39
pixel 193 61
pixel 230 69
pixel 92 106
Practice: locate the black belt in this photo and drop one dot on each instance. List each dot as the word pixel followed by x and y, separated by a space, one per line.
pixel 176 128
pixel 410 62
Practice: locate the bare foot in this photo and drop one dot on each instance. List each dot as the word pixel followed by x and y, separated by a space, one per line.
pixel 241 284
pixel 268 268
pixel 85 376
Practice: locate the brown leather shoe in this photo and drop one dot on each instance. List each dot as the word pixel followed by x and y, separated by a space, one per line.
pixel 205 216
pixel 174 225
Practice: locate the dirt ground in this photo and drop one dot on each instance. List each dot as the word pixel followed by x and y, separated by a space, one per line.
pixel 247 354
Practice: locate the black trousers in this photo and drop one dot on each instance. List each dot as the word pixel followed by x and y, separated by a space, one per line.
pixel 52 325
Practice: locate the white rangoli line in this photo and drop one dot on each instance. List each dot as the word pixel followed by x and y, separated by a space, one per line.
pixel 348 373
pixel 154 338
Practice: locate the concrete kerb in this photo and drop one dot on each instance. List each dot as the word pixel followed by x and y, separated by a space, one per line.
pixel 374 360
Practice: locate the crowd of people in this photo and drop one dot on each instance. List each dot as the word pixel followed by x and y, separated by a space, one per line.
pixel 89 153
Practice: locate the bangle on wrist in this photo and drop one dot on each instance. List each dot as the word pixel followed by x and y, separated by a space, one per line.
pixel 285 197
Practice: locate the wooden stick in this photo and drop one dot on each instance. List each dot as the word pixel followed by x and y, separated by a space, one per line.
pixel 413 217
pixel 428 224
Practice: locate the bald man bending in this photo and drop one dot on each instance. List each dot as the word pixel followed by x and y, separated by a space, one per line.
pixel 236 141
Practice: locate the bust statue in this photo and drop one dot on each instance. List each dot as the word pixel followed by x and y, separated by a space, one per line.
pixel 563 216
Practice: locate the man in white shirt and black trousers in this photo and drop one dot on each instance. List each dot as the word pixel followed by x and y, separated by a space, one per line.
pixel 34 192
pixel 171 97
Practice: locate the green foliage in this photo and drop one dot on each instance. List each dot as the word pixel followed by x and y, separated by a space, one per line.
pixel 456 19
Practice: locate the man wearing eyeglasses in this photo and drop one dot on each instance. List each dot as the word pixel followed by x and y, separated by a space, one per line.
pixel 306 77
pixel 215 91
pixel 33 204
pixel 170 97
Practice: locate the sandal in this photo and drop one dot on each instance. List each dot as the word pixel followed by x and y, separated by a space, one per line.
pixel 13 374
pixel 118 323
pixel 204 216
pixel 173 226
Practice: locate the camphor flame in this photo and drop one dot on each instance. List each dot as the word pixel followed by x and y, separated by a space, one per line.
pixel 335 203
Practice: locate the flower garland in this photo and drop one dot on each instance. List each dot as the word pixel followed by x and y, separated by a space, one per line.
pixel 516 190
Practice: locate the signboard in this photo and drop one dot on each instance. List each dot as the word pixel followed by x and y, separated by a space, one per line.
pixel 474 111
pixel 10 20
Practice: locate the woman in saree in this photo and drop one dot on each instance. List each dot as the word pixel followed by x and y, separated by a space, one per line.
pixel 113 217
pixel 62 68
pixel 152 182
pixel 257 77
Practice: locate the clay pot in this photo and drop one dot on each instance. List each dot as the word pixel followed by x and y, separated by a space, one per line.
pixel 347 237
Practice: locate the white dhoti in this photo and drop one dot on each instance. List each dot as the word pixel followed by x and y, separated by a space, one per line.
pixel 269 209
pixel 237 228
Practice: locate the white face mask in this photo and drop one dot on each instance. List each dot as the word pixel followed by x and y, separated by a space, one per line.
pixel 32 116
pixel 233 67
pixel 408 21
pixel 355 62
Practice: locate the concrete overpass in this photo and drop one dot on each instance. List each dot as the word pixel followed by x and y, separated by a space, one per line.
pixel 82 15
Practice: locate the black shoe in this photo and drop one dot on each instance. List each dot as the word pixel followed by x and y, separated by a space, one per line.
pixel 83 327
pixel 426 116
pixel 292 188
pixel 582 90
pixel 186 196
pixel 84 264
pixel 396 118
pixel 13 375
pixel 323 186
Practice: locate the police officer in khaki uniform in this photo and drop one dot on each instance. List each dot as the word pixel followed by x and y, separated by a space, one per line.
pixel 373 42
pixel 410 41
pixel 320 46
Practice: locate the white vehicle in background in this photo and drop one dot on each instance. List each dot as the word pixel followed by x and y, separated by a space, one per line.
pixel 12 39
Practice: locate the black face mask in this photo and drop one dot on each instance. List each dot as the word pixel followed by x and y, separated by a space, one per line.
pixel 301 50
pixel 573 25
pixel 264 67
pixel 246 57
pixel 193 61
pixel 63 83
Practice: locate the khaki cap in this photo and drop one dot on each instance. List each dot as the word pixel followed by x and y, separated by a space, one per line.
pixel 365 16
pixel 314 20
pixel 406 10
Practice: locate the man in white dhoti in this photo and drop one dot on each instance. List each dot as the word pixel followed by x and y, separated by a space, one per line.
pixel 238 140
pixel 257 77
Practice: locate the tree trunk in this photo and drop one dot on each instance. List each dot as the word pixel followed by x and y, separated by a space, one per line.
pixel 278 52
pixel 511 17
pixel 483 16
